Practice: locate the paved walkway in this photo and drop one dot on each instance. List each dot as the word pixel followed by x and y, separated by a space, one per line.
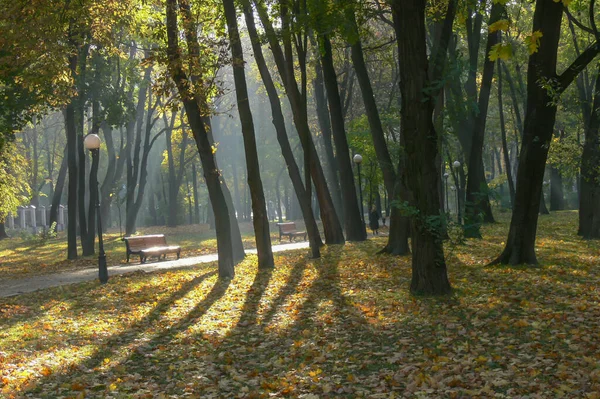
pixel 31 284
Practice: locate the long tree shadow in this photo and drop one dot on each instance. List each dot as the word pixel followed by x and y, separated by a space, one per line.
pixel 252 301
pixel 115 343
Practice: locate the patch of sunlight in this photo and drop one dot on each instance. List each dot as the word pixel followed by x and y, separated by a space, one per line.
pixel 282 312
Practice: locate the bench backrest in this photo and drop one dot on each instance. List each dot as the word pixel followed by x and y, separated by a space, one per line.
pixel 137 243
pixel 287 227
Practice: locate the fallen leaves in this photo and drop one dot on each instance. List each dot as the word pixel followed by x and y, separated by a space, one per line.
pixel 324 328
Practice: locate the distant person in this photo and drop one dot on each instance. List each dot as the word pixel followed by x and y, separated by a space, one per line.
pixel 374 220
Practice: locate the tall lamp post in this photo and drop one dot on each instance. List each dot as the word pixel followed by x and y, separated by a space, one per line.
pixel 92 143
pixel 358 160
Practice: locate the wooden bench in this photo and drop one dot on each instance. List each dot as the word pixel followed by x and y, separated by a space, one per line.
pixel 289 229
pixel 152 245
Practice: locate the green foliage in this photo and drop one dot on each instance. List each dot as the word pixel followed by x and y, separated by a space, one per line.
pixel 565 155
pixel 14 189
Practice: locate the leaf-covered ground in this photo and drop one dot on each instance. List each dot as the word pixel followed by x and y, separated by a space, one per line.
pixel 341 326
pixel 26 258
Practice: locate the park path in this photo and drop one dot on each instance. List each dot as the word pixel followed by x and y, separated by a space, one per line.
pixel 21 286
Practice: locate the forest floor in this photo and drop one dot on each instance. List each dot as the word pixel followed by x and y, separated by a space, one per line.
pixel 344 325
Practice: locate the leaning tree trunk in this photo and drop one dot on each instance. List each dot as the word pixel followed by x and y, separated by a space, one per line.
pixel 355 230
pixel 58 189
pixel 589 202
pixel 259 204
pixel 538 129
pixel 331 224
pixel 286 149
pixel 399 227
pixel 207 157
pixel 429 274
pixel 325 125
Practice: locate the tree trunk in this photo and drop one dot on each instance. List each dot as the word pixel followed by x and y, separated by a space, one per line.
pixel 58 189
pixel 589 200
pixel 195 188
pixel 259 204
pixel 3 234
pixel 477 199
pixel 539 125
pixel 557 197
pixel 355 230
pixel 325 125
pixel 71 133
pixel 279 123
pixel 331 224
pixel 509 178
pixel 193 112
pixel 429 275
pixel 174 183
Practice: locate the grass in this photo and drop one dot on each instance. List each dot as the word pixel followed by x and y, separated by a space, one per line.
pixel 32 257
pixel 340 326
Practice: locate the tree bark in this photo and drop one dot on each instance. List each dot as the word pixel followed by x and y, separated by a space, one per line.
pixel 259 204
pixel 211 172
pixel 325 125
pixel 509 178
pixel 286 150
pixel 58 189
pixel 538 129
pixel 589 201
pixel 3 234
pixel 331 224
pixel 429 274
pixel 71 133
pixel 355 230
pixel 477 199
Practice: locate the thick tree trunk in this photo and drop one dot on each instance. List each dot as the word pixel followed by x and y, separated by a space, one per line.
pixel 71 133
pixel 209 166
pixel 589 200
pixel 279 123
pixel 259 204
pixel 539 126
pixel 429 275
pixel 355 230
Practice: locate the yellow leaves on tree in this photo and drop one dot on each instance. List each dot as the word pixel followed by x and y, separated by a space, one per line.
pixel 500 51
pixel 533 41
pixel 501 25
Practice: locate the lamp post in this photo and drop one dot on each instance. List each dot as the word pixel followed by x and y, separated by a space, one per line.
pixel 446 175
pixel 456 165
pixel 358 160
pixel 92 143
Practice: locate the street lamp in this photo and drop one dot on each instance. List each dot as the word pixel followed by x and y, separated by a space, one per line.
pixel 358 160
pixel 92 143
pixel 446 175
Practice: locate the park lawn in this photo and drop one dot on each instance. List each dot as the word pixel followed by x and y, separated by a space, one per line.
pixel 32 257
pixel 340 326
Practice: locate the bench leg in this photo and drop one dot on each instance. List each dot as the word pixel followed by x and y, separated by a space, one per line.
pixel 142 259
pixel 178 254
pixel 127 257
